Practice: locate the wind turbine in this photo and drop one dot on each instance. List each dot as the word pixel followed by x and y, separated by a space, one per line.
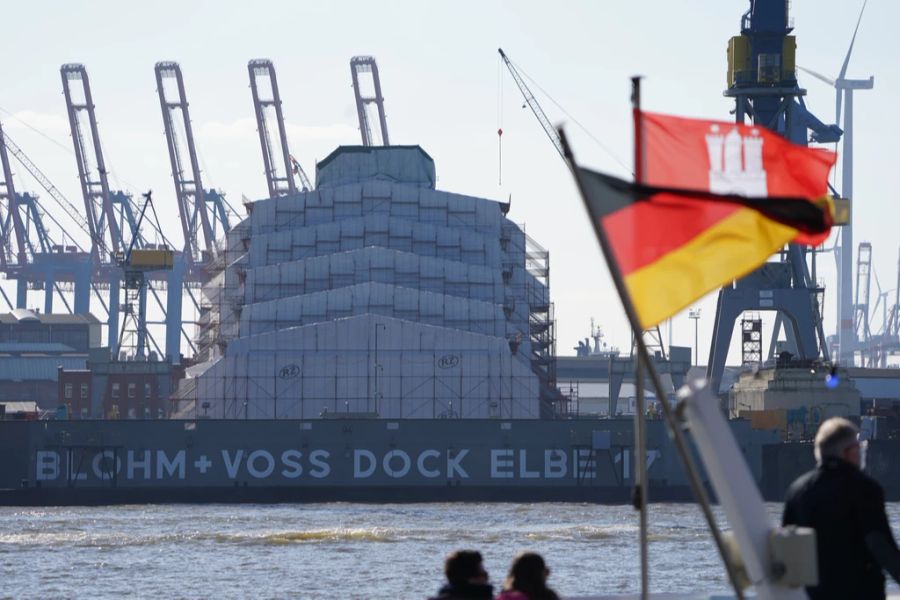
pixel 844 89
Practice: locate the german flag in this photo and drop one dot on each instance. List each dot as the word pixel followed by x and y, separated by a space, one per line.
pixel 672 246
pixel 718 201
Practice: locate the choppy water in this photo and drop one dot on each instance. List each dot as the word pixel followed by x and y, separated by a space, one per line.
pixel 340 550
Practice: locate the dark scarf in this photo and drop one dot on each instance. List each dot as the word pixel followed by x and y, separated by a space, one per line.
pixel 473 591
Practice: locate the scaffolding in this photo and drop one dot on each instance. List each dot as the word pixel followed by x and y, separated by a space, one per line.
pixel 375 294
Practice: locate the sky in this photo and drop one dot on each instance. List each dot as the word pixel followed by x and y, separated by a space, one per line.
pixel 446 90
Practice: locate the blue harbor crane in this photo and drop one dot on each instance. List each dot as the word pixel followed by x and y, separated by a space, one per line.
pixel 105 210
pixel 203 213
pixel 136 265
pixel 29 254
pixel 107 213
pixel 762 80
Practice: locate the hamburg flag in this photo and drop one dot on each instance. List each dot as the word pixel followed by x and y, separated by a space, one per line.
pixel 719 200
pixel 727 158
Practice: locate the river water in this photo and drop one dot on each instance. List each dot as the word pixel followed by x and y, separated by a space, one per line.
pixel 341 550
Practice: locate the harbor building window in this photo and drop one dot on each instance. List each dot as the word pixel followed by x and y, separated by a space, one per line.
pixel 131 390
pixel 115 390
pixel 84 391
pixel 148 390
pixel 68 391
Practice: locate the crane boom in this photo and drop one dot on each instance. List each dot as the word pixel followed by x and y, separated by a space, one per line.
pixel 200 223
pixel 278 176
pixel 358 66
pixel 12 208
pixel 533 104
pixel 62 201
pixel 98 201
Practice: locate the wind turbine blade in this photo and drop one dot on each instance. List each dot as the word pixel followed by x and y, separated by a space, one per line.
pixel 852 41
pixel 818 76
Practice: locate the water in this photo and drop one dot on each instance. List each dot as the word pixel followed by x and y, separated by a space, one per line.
pixel 340 550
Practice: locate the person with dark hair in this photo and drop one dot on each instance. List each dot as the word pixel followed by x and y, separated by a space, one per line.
pixel 527 579
pixel 846 508
pixel 466 578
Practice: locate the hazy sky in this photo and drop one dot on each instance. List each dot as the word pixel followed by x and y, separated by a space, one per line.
pixel 445 90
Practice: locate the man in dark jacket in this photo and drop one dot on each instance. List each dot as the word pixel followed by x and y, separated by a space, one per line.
pixel 466 578
pixel 846 508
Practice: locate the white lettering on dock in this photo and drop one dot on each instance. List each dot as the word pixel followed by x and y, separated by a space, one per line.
pixel 420 464
pixel 134 465
pixel 583 464
pixel 454 468
pixel 268 460
pixel 291 460
pixel 524 473
pixel 554 464
pixel 168 467
pixel 358 471
pixel 102 468
pixel 232 464
pixel 388 463
pixel 501 460
pixel 320 468
pixel 47 463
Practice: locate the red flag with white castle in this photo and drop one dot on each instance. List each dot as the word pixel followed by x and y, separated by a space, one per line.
pixel 730 158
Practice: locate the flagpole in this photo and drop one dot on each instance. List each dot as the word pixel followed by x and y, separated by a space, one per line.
pixel 641 484
pixel 675 432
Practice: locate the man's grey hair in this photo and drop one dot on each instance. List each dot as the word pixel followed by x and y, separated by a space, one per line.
pixel 834 436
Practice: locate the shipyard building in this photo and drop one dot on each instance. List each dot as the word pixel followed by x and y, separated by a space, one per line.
pixel 375 295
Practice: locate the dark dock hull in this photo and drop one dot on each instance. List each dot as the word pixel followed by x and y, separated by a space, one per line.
pixel 366 460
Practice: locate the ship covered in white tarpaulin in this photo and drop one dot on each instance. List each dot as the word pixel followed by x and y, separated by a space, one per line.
pixel 376 295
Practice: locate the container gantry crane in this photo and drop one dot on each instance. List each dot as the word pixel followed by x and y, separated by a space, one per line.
pixel 861 300
pixel 202 212
pixel 109 212
pixel 360 66
pixel 29 255
pixel 277 160
pixel 138 266
pixel 12 226
pixel 106 210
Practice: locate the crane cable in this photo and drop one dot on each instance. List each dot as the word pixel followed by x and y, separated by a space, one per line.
pixel 499 121
pixel 578 123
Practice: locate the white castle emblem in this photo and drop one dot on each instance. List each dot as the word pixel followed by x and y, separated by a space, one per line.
pixel 736 163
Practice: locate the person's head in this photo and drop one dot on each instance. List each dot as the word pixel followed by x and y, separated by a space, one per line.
pixel 838 438
pixel 465 566
pixel 528 574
